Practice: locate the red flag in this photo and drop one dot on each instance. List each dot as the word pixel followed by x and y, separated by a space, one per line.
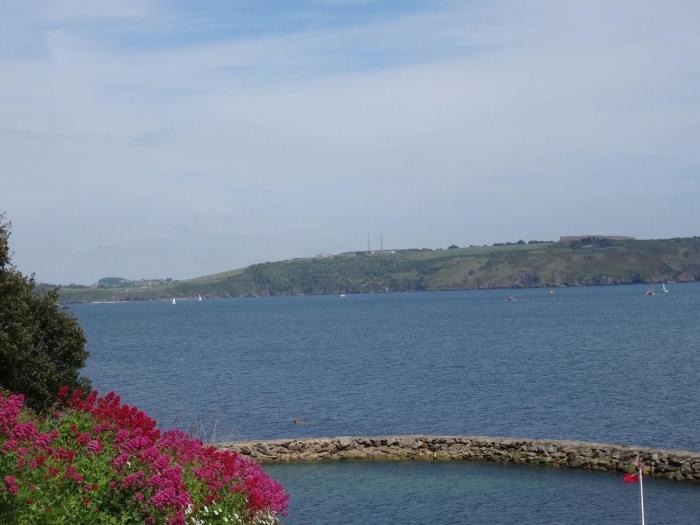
pixel 631 478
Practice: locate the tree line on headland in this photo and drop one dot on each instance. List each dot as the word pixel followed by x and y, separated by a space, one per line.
pixel 582 262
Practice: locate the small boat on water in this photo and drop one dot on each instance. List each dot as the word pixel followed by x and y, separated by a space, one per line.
pixel 510 299
pixel 650 292
pixel 199 298
pixel 173 301
pixel 342 295
pixel 663 285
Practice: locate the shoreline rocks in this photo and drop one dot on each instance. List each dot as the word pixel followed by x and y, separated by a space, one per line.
pixel 659 463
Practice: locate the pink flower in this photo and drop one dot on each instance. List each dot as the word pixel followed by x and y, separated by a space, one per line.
pixel 161 463
pixel 178 519
pixel 10 445
pixel 94 447
pixel 63 392
pixel 120 460
pixel 73 474
pixel 10 407
pixel 133 479
pixel 143 461
pixel 11 484
pixel 44 440
pixel 24 431
pixel 149 455
pixel 164 498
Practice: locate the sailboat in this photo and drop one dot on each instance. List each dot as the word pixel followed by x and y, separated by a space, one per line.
pixel 174 301
pixel 663 285
pixel 199 298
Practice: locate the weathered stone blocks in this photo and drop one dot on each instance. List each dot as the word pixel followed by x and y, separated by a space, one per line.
pixel 671 464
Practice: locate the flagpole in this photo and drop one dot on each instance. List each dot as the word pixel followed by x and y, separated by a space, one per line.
pixel 641 490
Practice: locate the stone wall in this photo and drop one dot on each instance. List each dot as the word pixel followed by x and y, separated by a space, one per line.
pixel 661 463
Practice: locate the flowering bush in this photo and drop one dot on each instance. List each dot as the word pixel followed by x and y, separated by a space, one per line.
pixel 98 461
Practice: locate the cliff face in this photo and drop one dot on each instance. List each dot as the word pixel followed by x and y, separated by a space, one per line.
pixel 522 266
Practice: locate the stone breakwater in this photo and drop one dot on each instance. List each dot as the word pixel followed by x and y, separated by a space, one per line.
pixel 658 463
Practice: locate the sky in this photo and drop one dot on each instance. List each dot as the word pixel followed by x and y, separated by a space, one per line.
pixel 149 139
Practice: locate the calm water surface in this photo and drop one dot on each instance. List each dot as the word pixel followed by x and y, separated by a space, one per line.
pixel 469 493
pixel 600 364
pixel 603 364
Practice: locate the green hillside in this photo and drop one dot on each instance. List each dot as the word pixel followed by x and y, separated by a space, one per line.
pixel 588 262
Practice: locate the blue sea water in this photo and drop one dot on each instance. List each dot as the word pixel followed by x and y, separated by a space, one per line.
pixel 473 493
pixel 600 364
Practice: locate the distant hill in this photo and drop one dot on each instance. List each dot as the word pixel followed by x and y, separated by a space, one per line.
pixel 588 261
pixel 121 282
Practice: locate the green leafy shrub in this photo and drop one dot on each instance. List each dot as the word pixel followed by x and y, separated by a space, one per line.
pixel 99 462
pixel 41 345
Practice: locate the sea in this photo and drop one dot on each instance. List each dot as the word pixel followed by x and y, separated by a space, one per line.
pixel 605 364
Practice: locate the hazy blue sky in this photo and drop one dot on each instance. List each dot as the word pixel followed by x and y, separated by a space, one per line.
pixel 163 138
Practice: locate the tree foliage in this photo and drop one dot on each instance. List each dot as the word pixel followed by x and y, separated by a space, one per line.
pixel 42 346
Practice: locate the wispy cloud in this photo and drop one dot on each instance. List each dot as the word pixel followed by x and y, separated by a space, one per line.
pixel 168 125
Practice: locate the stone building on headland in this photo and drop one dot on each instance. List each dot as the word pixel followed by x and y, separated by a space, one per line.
pixel 573 238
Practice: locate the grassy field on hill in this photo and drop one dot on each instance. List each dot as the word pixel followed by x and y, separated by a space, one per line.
pixel 513 266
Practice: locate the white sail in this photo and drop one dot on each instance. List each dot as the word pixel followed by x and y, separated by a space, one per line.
pixel 664 287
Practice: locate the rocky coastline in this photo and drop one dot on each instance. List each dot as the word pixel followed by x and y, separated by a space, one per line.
pixel 658 463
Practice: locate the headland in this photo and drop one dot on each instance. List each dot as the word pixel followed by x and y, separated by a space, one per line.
pixel 573 261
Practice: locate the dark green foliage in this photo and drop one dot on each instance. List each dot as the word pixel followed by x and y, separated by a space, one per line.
pixel 590 242
pixel 42 347
pixel 4 241
pixel 113 282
